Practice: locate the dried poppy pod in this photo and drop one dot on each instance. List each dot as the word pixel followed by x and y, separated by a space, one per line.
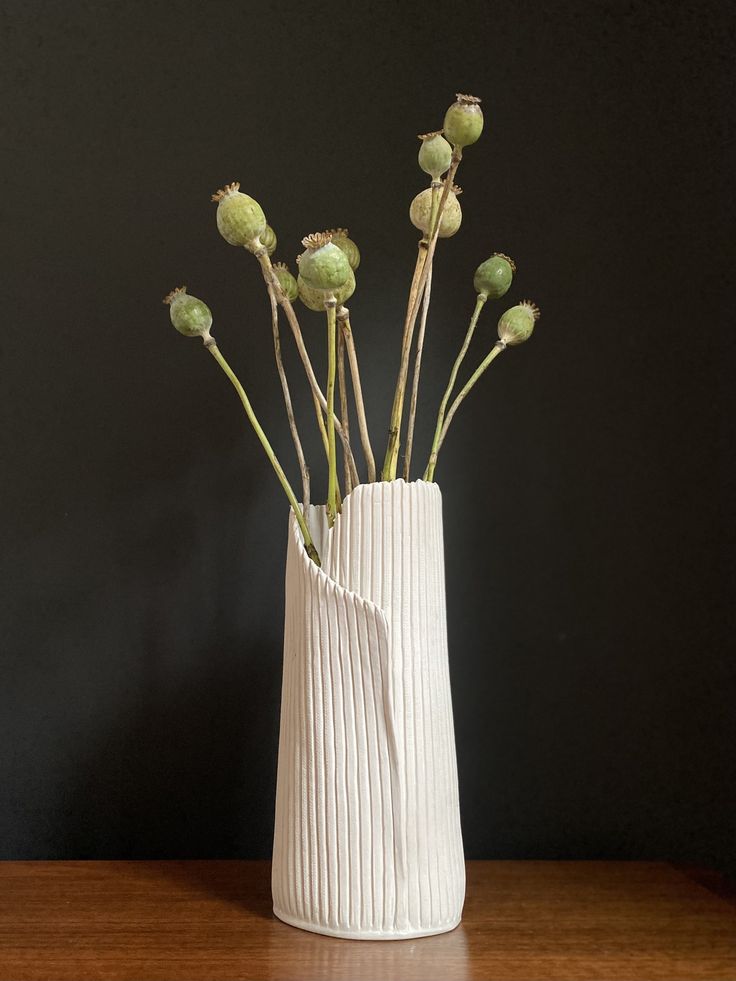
pixel 420 212
pixel 435 154
pixel 342 240
pixel 494 276
pixel 286 280
pixel 464 121
pixel 315 299
pixel 190 316
pixel 517 324
pixel 269 240
pixel 323 266
pixel 240 219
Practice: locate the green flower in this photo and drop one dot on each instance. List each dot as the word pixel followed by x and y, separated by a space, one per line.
pixel 464 121
pixel 240 219
pixel 190 316
pixel 493 277
pixel 517 324
pixel 323 266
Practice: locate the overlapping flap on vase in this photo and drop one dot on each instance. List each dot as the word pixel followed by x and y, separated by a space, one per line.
pixel 366 751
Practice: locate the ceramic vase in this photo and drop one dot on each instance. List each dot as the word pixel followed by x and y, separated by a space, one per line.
pixel 367 841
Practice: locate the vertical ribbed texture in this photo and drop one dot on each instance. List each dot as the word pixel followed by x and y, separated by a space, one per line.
pixel 367 838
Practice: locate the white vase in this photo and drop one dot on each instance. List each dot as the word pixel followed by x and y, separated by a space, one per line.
pixel 367 840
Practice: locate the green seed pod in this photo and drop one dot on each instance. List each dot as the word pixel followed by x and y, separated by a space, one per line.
pixel 286 280
pixel 190 316
pixel 269 240
pixel 517 324
pixel 493 277
pixel 464 121
pixel 315 299
pixel 420 212
pixel 240 219
pixel 435 154
pixel 348 246
pixel 323 265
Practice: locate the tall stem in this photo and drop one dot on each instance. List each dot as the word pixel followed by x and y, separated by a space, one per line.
pixel 415 378
pixel 332 455
pixel 308 543
pixel 287 398
pixel 343 317
pixel 455 368
pixel 418 284
pixel 344 415
pixel 495 351
pixel 271 279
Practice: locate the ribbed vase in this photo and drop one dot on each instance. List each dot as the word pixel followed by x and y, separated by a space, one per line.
pixel 367 840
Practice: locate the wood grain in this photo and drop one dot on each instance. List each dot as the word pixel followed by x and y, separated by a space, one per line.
pixel 212 921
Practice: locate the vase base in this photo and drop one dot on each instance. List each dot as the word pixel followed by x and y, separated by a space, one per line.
pixel 364 934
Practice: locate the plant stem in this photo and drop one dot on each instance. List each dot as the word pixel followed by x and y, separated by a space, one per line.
pixel 455 368
pixel 308 543
pixel 332 454
pixel 495 351
pixel 343 317
pixel 418 283
pixel 271 279
pixel 415 378
pixel 344 416
pixel 323 434
pixel 287 399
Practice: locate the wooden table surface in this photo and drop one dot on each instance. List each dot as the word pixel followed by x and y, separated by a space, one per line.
pixel 212 921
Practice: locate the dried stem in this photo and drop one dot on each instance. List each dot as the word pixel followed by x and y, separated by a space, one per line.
pixel 271 279
pixel 287 399
pixel 332 454
pixel 419 280
pixel 343 316
pixel 308 543
pixel 344 415
pixel 415 378
pixel 482 297
pixel 495 351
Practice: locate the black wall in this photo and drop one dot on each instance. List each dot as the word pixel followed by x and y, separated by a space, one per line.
pixel 586 484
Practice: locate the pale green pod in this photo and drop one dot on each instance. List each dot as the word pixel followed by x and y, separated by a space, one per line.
pixel 323 265
pixel 517 324
pixel 286 280
pixel 240 219
pixel 464 121
pixel 342 240
pixel 494 276
pixel 420 212
pixel 269 240
pixel 435 154
pixel 315 299
pixel 190 316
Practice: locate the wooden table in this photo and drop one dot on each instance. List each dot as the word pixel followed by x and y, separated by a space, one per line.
pixel 212 921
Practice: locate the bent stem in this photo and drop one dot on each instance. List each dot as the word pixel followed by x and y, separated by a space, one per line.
pixel 209 343
pixel 344 416
pixel 271 279
pixel 332 454
pixel 287 399
pixel 418 284
pixel 495 351
pixel 482 297
pixel 415 378
pixel 343 317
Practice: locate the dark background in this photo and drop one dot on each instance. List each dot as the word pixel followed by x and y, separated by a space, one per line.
pixel 586 484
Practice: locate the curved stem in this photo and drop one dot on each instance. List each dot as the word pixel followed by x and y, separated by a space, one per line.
pixel 344 416
pixel 453 374
pixel 287 399
pixel 308 543
pixel 343 317
pixel 332 454
pixel 415 379
pixel 417 289
pixel 495 351
pixel 271 279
